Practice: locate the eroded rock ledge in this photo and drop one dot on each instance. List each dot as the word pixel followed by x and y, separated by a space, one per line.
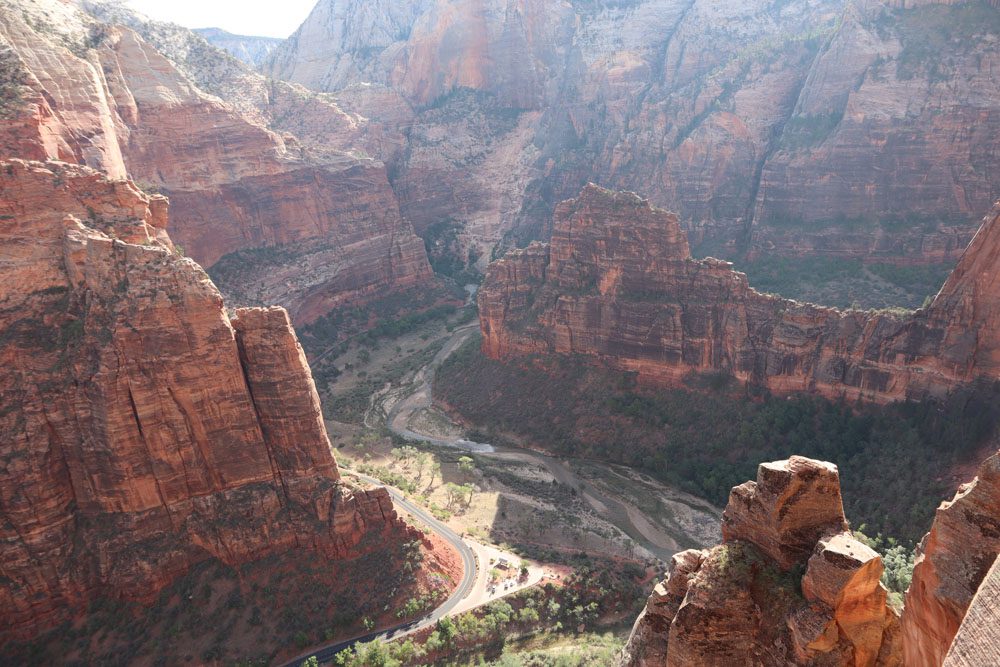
pixel 789 585
pixel 141 429
pixel 952 563
pixel 617 284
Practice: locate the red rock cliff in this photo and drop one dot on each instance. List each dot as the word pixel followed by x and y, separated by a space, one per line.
pixel 141 430
pixel 306 225
pixel 617 285
pixel 952 563
pixel 837 128
pixel 978 638
pixel 789 585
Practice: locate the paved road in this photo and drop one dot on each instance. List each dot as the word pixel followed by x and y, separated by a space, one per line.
pixel 465 586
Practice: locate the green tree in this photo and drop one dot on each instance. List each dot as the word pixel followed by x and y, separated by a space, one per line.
pixel 455 493
pixel 446 627
pixel 375 654
pixel 435 473
pixel 423 460
pixel 467 491
pixel 466 464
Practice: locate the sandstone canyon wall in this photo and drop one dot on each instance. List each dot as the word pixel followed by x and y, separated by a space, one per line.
pixel 789 585
pixel 978 638
pixel 841 128
pixel 617 285
pixel 253 50
pixel 141 429
pixel 952 565
pixel 308 223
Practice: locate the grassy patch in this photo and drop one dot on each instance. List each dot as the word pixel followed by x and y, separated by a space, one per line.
pixel 390 317
pixel 351 404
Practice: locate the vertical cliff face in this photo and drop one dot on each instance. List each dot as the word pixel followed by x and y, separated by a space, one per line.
pixel 142 431
pixel 978 638
pixel 899 190
pixel 341 41
pixel 789 584
pixel 308 225
pixel 968 306
pixel 617 285
pixel 427 49
pixel 833 128
pixel 952 565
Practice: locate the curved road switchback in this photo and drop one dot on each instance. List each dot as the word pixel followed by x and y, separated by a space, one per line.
pixel 469 570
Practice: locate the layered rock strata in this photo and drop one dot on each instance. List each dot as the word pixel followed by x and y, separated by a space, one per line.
pixel 141 429
pixel 837 128
pixel 309 224
pixel 617 285
pixel 740 603
pixel 952 564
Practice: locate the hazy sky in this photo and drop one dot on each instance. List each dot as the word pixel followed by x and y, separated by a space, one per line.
pixel 273 18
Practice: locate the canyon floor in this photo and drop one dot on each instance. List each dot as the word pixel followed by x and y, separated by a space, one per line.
pixel 510 504
pixel 520 497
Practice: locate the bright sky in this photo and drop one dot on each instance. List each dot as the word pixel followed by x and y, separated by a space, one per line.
pixel 270 18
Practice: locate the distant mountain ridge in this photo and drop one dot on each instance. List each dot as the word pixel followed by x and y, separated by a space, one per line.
pixel 848 130
pixel 251 49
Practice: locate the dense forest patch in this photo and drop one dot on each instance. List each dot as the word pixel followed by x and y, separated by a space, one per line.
pixel 894 460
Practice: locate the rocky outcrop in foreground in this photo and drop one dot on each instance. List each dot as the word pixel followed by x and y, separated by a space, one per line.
pixel 142 430
pixel 739 603
pixel 617 284
pixel 789 585
pixel 952 564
